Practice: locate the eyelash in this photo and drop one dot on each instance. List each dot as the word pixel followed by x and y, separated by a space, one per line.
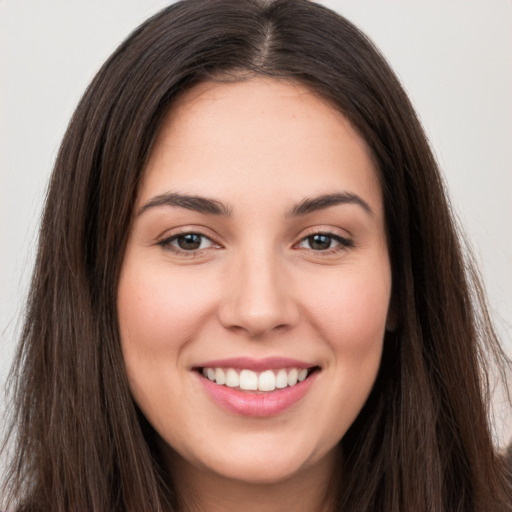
pixel 342 243
pixel 166 243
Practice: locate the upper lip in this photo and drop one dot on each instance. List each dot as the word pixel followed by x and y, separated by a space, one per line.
pixel 258 365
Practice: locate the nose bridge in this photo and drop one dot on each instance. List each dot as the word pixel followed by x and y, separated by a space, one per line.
pixel 258 300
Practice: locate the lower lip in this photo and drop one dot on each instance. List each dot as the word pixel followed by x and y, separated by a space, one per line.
pixel 262 404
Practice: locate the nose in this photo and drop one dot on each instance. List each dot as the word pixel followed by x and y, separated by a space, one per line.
pixel 258 299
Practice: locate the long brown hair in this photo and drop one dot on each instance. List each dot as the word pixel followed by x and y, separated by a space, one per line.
pixel 422 441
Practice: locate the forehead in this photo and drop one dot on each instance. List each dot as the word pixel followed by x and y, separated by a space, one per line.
pixel 258 133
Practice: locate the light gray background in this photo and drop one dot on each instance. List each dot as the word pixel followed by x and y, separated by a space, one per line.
pixel 454 58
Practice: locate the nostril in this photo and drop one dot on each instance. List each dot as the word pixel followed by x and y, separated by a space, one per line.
pixel 258 303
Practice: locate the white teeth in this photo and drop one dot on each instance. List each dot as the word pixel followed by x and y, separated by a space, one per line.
pixel 248 380
pixel 220 377
pixel 292 377
pixel 232 378
pixel 303 373
pixel 267 381
pixel 281 379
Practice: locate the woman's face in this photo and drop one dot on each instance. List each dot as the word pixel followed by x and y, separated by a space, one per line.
pixel 256 282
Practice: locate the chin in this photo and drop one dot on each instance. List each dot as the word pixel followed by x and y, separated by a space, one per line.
pixel 264 466
pixel 270 472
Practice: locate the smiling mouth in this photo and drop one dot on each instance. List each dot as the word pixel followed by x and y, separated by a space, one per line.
pixel 249 380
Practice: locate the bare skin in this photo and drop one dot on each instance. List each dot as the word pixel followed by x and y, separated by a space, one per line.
pixel 258 246
pixel 204 491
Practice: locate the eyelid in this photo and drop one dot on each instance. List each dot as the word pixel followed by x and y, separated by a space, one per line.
pixel 164 240
pixel 344 242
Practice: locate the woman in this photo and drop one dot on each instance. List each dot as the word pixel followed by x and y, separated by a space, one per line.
pixel 249 292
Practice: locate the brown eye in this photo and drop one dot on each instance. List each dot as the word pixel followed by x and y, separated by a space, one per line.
pixel 319 242
pixel 187 242
pixel 324 242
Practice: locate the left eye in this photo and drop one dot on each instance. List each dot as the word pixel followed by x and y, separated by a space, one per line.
pixel 188 242
pixel 323 242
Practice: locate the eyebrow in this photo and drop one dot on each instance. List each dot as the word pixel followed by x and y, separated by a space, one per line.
pixel 197 203
pixel 214 207
pixel 313 204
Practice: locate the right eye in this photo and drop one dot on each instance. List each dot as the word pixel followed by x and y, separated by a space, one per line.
pixel 187 242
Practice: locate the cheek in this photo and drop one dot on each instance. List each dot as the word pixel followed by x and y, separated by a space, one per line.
pixel 350 312
pixel 349 315
pixel 153 303
pixel 158 314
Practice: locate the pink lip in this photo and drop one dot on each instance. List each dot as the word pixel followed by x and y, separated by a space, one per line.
pixel 257 365
pixel 256 404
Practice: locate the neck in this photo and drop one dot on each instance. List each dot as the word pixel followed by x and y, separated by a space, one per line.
pixel 199 490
